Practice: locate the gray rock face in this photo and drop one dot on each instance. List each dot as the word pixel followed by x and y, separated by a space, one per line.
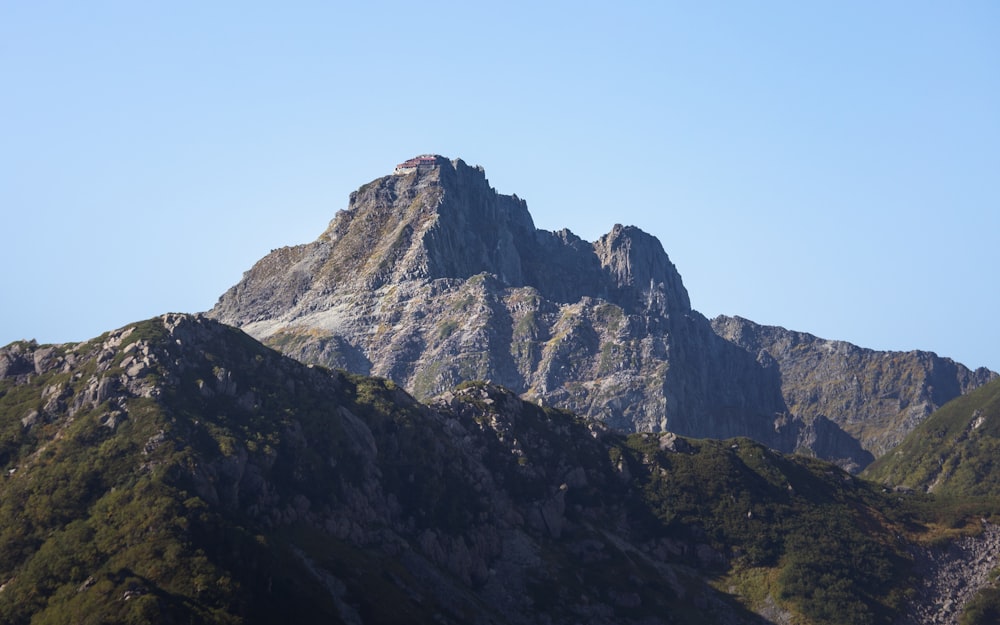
pixel 446 223
pixel 430 277
pixel 876 398
pixel 641 271
pixel 17 359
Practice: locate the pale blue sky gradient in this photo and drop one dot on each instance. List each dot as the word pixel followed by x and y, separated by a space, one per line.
pixel 828 167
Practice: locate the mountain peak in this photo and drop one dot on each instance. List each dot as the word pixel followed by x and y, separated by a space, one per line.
pixel 436 218
pixel 428 162
pixel 424 161
pixel 432 218
pixel 637 263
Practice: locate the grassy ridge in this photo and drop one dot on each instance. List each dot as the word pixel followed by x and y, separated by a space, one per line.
pixel 954 452
pixel 223 483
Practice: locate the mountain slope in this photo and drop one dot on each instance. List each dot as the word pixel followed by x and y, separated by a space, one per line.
pixel 430 277
pixel 177 471
pixel 954 451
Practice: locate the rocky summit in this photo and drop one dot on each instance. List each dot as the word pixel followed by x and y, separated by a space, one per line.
pixel 430 278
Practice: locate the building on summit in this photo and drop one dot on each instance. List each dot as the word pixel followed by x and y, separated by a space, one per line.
pixel 424 161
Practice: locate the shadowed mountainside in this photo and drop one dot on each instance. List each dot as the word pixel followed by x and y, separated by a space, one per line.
pixel 177 471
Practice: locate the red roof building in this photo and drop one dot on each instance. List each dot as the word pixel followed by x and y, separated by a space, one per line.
pixel 423 161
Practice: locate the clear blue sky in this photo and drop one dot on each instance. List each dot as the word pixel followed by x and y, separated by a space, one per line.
pixel 830 167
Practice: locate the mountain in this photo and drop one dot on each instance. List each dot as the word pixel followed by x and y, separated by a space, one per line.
pixel 430 277
pixel 178 471
pixel 953 452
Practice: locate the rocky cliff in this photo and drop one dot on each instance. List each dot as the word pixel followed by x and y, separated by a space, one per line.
pixel 877 398
pixel 430 277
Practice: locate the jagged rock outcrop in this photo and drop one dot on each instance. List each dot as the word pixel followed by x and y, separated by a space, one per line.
pixel 430 277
